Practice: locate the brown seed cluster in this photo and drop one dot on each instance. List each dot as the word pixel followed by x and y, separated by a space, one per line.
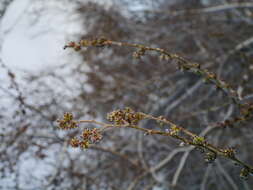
pixel 244 174
pixel 125 116
pixel 230 152
pixel 74 45
pixel 89 136
pixel 98 42
pixel 67 122
pixel 138 54
pixel 198 140
pixel 174 130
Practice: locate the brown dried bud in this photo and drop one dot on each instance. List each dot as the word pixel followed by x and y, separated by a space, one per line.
pixel 124 116
pixel 67 122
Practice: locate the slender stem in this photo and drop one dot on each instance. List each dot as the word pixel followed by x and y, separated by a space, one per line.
pixel 204 145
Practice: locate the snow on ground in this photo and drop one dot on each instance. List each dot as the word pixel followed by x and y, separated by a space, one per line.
pixel 33 34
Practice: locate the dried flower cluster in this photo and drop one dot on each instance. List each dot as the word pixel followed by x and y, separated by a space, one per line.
pixel 67 122
pixel 230 152
pixel 125 116
pixel 100 42
pixel 174 130
pixel 89 136
pixel 198 140
pixel 245 172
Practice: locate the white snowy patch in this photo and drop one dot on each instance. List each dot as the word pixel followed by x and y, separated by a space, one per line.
pixel 34 33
